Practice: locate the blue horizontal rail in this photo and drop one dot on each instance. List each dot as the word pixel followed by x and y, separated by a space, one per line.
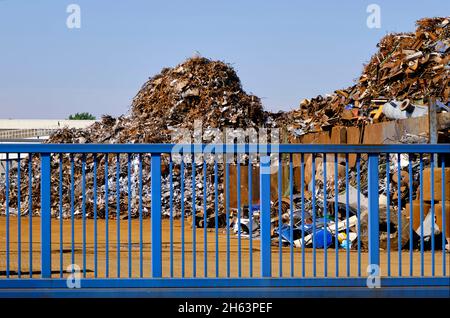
pixel 222 282
pixel 232 292
pixel 138 184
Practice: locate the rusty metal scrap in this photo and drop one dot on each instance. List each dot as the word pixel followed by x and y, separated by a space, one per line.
pixel 412 66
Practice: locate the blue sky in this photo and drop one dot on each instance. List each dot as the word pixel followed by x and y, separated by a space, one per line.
pixel 283 51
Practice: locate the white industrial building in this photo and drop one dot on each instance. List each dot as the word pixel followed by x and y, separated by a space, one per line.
pixel 35 130
pixel 32 131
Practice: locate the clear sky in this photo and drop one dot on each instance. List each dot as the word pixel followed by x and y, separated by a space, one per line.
pixel 283 51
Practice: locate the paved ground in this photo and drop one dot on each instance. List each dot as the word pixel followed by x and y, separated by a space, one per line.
pixel 177 254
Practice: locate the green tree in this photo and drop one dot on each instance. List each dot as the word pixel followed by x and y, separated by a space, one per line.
pixel 82 116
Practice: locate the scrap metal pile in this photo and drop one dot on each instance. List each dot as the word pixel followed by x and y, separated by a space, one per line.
pixel 409 67
pixel 408 70
pixel 343 220
pixel 198 89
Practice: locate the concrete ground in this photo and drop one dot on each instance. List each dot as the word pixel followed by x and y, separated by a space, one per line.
pixel 177 253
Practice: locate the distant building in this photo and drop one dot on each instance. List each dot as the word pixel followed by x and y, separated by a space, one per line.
pixel 35 130
pixel 32 131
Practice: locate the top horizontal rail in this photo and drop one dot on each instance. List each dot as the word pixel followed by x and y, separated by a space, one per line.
pixel 223 148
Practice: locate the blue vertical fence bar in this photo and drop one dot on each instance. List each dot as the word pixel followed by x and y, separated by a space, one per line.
pixel 336 215
pixel 129 212
pixel 205 213
pixel 19 218
pixel 83 206
pixel 280 223
pixel 325 221
pixel 216 212
pixel 388 212
pixel 347 214
pixel 150 177
pixel 72 208
pixel 182 214
pixel 313 190
pixel 410 172
pixel 61 244
pixel 266 262
pixel 30 213
pixel 171 213
pixel 432 212
pixel 238 203
pixel 421 216
pixel 302 189
pixel 46 267
pixel 227 212
pixel 194 241
pixel 156 215
pixel 358 210
pixel 399 214
pixel 250 214
pixel 7 217
pixel 106 217
pixel 118 213
pixel 444 224
pixel 95 217
pixel 291 219
pixel 141 267
pixel 373 218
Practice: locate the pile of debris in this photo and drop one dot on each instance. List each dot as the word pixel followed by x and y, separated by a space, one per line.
pixel 199 89
pixel 315 215
pixel 408 70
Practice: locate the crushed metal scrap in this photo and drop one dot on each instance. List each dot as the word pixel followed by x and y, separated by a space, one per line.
pixel 198 89
pixel 408 70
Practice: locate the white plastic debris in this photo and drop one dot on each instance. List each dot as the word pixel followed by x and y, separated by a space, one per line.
pixel 427 222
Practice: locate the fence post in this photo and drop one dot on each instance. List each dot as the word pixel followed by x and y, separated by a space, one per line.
pixel 46 260
pixel 264 182
pixel 373 217
pixel 156 215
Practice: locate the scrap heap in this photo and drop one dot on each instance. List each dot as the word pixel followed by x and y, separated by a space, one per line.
pixel 412 66
pixel 408 66
pixel 198 89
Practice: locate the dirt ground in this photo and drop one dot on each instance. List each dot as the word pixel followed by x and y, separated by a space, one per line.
pixel 135 269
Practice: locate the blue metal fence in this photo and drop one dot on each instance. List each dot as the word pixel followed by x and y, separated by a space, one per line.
pixel 271 255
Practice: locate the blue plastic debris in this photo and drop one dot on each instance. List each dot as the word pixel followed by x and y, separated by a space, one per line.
pixel 319 238
pixel 286 234
pixel 349 106
pixel 344 244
